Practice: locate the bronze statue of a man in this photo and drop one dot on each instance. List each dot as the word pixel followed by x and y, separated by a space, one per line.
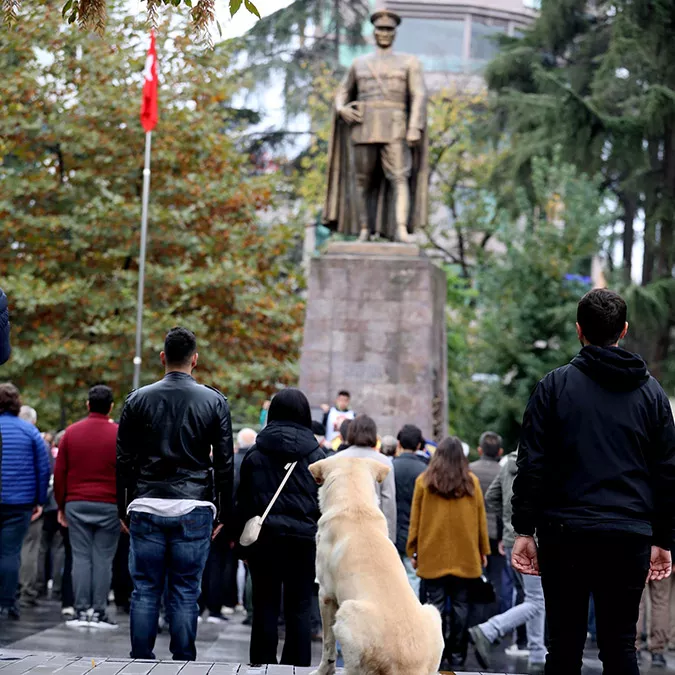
pixel 378 169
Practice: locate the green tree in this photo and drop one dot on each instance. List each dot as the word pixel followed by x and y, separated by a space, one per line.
pixel 92 15
pixel 528 293
pixel 602 86
pixel 70 185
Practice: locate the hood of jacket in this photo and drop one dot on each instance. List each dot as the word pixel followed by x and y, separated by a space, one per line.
pixel 613 368
pixel 287 441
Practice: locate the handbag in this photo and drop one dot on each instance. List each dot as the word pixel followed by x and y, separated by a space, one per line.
pixel 254 525
pixel 482 591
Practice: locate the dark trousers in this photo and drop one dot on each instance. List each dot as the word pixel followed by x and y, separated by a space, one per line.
pixel 496 566
pixel 611 566
pixel 121 580
pixel 219 584
pixel 171 551
pixel 67 595
pixel 14 524
pixel 286 562
pixel 438 592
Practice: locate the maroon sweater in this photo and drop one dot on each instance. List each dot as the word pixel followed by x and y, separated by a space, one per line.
pixel 85 465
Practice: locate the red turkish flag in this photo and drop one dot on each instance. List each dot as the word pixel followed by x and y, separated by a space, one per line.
pixel 149 115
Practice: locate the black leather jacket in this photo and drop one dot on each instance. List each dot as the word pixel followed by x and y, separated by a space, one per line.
pixel 166 434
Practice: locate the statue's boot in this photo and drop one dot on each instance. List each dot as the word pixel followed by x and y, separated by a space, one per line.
pixel 402 234
pixel 364 234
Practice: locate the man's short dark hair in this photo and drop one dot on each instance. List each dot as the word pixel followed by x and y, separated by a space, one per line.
pixel 490 443
pixel 179 346
pixel 602 316
pixel 100 399
pixel 362 432
pixel 410 437
pixel 344 392
pixel 10 399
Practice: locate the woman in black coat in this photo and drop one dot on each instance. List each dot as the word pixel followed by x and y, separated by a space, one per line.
pixel 283 556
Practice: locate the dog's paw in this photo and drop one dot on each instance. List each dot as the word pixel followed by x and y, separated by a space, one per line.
pixel 325 669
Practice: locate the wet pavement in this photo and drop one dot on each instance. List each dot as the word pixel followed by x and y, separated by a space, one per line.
pixel 41 629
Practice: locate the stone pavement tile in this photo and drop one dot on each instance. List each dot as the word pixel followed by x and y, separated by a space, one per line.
pixel 53 665
pixel 195 668
pixel 138 668
pixel 20 666
pixel 224 669
pixel 165 668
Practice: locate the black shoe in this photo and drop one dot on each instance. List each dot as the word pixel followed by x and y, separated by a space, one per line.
pixel 102 620
pixel 248 621
pixel 10 613
pixel 659 661
pixel 482 645
pixel 445 666
pixel 457 661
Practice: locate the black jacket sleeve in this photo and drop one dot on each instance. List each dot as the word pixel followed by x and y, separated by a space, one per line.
pixel 127 458
pixel 244 507
pixel 663 476
pixel 528 485
pixel 5 348
pixel 223 462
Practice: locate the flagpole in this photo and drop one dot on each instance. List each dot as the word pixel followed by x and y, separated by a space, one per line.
pixel 141 264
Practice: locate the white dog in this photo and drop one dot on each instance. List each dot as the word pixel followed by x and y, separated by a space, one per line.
pixel 365 598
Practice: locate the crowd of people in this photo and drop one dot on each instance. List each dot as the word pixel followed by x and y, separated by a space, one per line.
pixel 532 549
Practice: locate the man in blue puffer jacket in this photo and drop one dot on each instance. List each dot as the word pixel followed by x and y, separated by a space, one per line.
pixel 4 328
pixel 24 473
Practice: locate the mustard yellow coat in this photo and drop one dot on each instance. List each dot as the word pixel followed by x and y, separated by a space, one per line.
pixel 450 536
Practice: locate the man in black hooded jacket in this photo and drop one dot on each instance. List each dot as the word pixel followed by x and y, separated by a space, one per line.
pixel 596 483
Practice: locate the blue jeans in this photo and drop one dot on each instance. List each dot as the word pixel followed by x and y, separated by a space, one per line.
pixel 14 523
pixel 172 551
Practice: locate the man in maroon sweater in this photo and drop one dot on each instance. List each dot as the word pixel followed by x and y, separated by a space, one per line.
pixel 85 491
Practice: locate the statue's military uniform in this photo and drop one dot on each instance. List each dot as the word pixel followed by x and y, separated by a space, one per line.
pixel 377 182
pixel 392 99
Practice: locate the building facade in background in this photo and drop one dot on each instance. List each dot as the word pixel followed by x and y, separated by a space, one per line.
pixel 455 40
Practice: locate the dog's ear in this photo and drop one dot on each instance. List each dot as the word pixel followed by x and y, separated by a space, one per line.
pixel 319 470
pixel 379 470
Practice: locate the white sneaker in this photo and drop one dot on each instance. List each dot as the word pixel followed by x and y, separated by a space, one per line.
pixel 240 609
pixel 79 621
pixel 227 611
pixel 68 612
pixel 517 652
pixel 219 620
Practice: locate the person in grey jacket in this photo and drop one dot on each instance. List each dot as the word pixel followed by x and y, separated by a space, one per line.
pixel 531 612
pixel 362 440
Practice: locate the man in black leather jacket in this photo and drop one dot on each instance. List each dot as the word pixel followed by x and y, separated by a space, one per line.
pixel 171 490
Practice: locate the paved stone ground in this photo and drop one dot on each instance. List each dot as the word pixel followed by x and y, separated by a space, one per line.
pixel 52 647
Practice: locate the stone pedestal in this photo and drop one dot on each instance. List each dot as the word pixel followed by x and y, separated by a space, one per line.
pixel 375 325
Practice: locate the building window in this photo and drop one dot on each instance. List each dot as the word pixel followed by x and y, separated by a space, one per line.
pixel 484 34
pixel 438 43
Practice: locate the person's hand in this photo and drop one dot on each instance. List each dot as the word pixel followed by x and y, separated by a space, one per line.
pixel 124 527
pixel 501 549
pixel 37 512
pixel 413 562
pixel 216 531
pixel 484 561
pixel 61 518
pixel 660 565
pixel 414 137
pixel 525 558
pixel 325 407
pixel 350 114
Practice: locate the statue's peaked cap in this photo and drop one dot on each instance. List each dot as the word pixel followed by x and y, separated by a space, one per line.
pixel 385 17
